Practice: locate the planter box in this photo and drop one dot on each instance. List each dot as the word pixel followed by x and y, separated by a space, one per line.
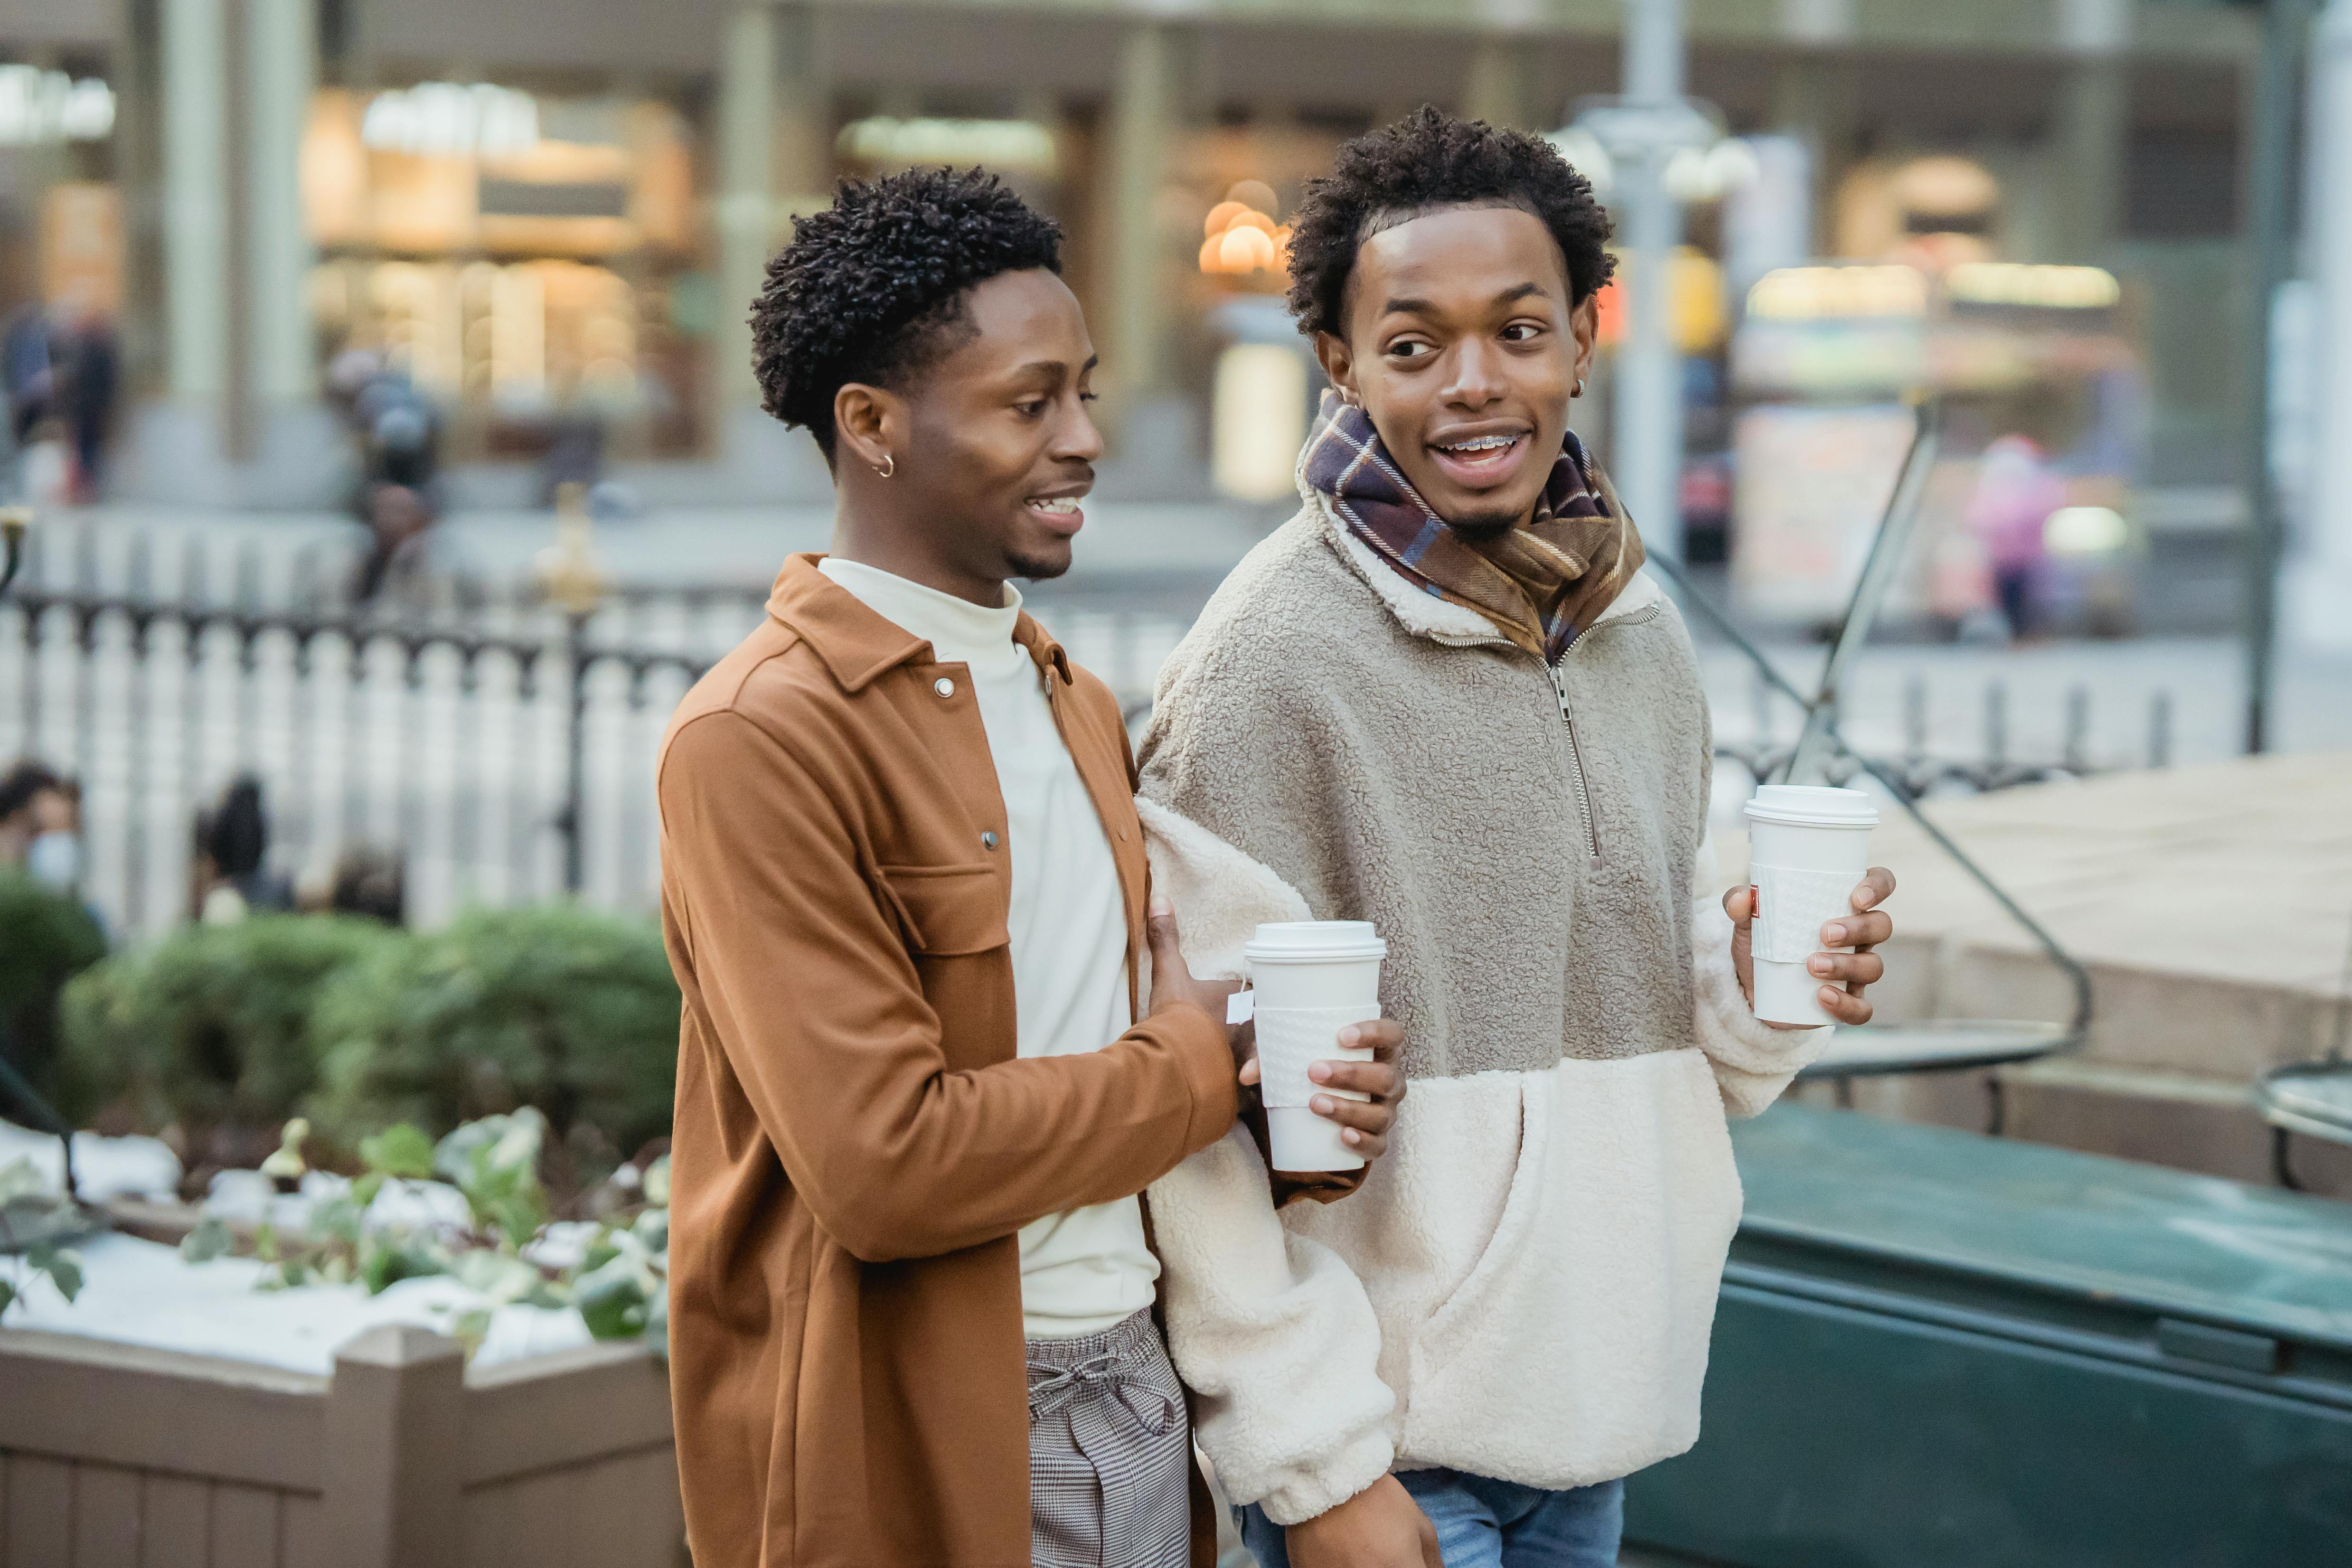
pixel 112 1453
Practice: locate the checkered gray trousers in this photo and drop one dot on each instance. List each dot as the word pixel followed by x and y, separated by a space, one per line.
pixel 1110 1452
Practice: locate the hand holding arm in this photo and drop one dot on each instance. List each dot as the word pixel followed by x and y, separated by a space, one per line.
pixel 805 980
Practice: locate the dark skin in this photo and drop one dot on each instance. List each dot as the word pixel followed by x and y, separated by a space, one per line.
pixel 988 453
pixel 1465 344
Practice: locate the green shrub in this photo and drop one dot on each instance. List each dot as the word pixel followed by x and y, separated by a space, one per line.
pixel 555 1007
pixel 208 1027
pixel 46 938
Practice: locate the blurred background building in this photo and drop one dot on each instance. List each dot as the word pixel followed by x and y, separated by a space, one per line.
pixel 317 307
pixel 549 216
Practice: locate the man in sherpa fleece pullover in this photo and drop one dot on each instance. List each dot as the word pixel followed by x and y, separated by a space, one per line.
pixel 1443 698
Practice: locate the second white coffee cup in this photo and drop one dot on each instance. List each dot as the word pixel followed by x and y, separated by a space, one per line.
pixel 1809 848
pixel 1312 978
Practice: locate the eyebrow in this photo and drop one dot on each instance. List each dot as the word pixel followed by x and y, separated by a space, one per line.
pixel 1055 367
pixel 1424 308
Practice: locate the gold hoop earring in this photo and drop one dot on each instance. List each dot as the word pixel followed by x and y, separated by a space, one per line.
pixel 890 465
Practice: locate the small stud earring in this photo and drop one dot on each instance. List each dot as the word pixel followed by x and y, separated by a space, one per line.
pixel 1579 387
pixel 890 465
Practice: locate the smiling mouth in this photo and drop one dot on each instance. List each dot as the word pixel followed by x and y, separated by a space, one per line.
pixel 1479 450
pixel 1064 515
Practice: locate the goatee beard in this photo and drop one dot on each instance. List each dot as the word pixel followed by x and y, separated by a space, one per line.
pixel 1031 569
pixel 1483 525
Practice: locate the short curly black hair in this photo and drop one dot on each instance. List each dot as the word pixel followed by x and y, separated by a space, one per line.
pixel 872 288
pixel 1431 158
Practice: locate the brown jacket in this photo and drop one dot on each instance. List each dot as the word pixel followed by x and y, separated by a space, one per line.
pixel 857 1142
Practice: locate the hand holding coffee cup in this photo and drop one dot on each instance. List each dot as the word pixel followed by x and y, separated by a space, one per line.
pixel 1809 883
pixel 1352 1084
pixel 1321 1043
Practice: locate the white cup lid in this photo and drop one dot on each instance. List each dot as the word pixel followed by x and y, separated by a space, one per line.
pixel 1812 806
pixel 1313 942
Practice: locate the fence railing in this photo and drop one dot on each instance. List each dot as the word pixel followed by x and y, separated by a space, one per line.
pixel 1916 763
pixel 503 750
pixel 501 765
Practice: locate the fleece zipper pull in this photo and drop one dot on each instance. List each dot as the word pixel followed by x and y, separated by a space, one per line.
pixel 1575 764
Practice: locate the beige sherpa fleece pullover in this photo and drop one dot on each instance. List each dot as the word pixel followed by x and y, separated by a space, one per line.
pixel 1523 1288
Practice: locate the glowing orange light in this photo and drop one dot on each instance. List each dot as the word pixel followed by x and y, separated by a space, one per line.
pixel 1221 217
pixel 1245 249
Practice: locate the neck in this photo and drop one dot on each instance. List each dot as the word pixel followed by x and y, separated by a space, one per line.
pixel 874 536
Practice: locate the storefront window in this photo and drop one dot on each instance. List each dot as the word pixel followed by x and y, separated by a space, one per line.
pixel 526 258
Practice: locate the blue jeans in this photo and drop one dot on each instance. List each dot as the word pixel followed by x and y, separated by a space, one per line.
pixel 1484 1524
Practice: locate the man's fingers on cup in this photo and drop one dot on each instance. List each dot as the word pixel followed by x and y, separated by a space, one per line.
pixel 1846 1007
pixel 1369 1115
pixel 1848 968
pixel 1380 1080
pixel 1878 887
pixel 1858 930
pixel 1382 1037
pixel 1250 1073
pixel 1739 903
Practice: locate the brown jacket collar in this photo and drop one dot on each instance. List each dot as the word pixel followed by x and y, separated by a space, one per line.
pixel 855 643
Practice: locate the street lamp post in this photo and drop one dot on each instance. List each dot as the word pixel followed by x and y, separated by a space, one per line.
pixel 574 581
pixel 2285 24
pixel 1648 419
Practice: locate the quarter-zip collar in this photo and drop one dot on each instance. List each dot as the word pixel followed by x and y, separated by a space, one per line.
pixel 1425 615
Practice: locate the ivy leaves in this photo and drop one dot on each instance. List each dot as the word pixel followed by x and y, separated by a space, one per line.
pixel 35 1223
pixel 506 1251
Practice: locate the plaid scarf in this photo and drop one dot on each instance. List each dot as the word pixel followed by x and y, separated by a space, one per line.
pixel 1541 584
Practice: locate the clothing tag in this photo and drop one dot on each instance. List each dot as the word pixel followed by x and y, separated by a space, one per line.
pixel 1241 1007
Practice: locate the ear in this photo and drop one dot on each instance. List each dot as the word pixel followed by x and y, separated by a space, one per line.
pixel 1584 327
pixel 1338 363
pixel 869 423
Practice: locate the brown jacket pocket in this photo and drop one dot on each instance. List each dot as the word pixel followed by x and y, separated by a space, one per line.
pixel 949 909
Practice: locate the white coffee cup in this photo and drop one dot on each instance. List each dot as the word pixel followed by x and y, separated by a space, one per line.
pixel 1311 979
pixel 1809 848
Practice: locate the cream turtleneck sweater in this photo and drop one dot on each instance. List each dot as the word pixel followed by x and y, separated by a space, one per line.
pixel 1084 1270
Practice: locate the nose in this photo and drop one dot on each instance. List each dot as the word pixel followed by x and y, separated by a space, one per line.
pixel 1075 438
pixel 1478 379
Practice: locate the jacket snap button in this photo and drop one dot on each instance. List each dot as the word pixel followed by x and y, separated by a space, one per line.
pixel 987 839
pixel 944 686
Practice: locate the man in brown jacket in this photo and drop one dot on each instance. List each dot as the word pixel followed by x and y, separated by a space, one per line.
pixel 904 894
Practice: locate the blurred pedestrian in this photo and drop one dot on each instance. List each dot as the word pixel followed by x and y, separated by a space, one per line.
pixel 366 881
pixel 28 371
pixel 2015 493
pixel 93 377
pixel 228 879
pixel 398 432
pixel 40 825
